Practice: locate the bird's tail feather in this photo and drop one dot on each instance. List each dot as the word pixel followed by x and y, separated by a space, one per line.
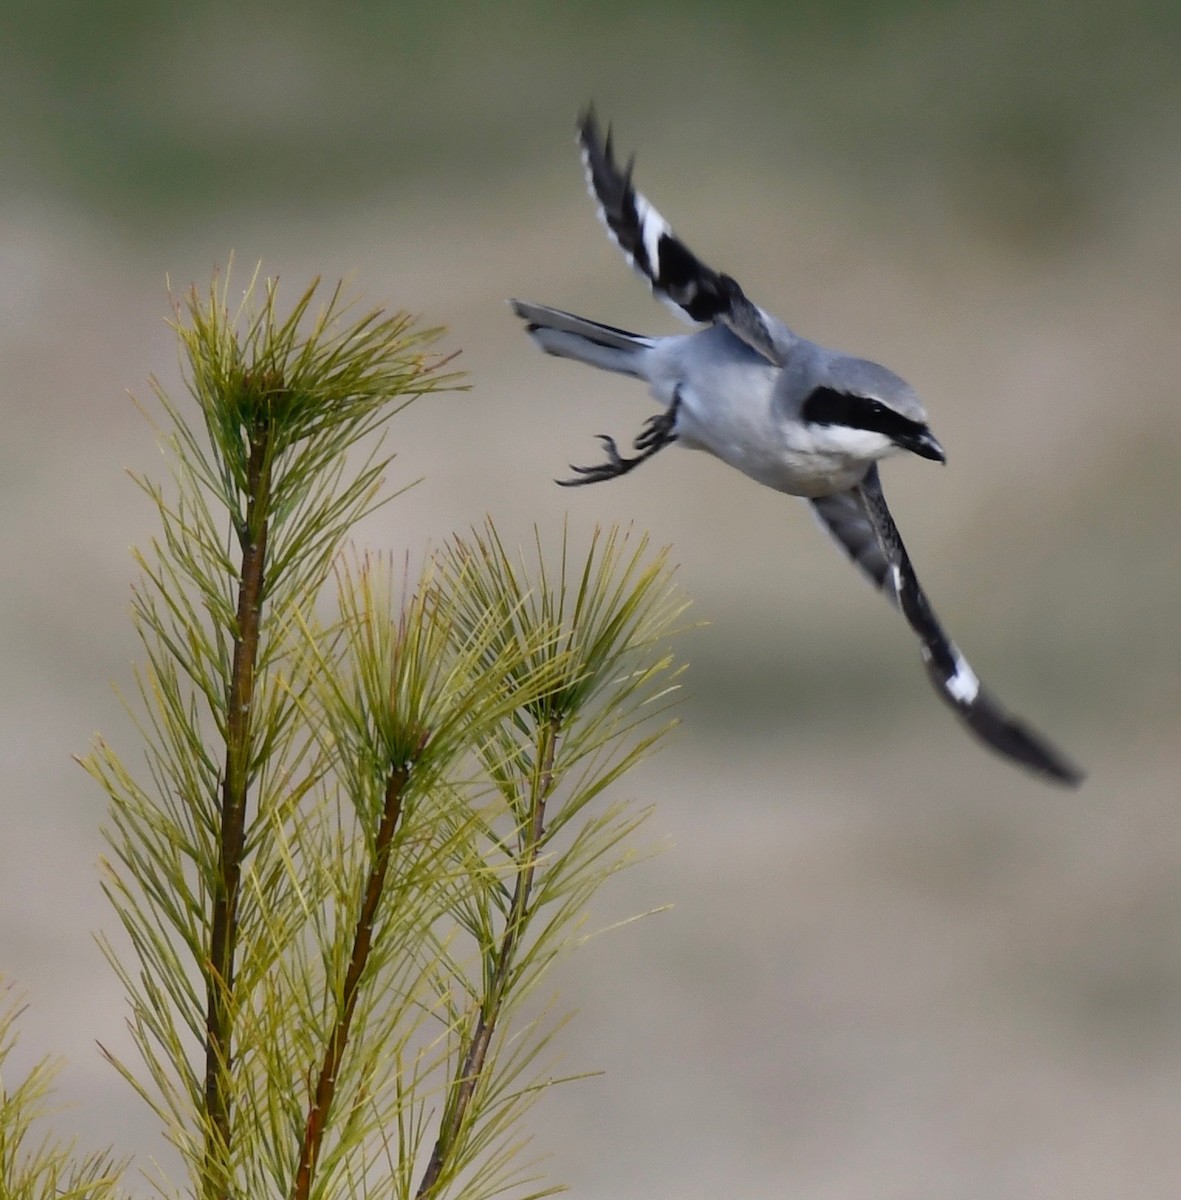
pixel 567 336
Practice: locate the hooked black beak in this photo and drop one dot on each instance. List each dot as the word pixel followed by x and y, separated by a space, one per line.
pixel 923 443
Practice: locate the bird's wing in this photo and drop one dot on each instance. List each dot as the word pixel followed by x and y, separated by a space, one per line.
pixel 861 524
pixel 675 273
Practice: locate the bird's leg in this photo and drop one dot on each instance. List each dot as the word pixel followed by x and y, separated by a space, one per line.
pixel 657 433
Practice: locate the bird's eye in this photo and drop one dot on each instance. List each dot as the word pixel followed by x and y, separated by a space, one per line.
pixel 827 406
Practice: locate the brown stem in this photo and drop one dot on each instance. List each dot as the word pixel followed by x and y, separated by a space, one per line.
pixel 321 1105
pixel 223 941
pixel 468 1075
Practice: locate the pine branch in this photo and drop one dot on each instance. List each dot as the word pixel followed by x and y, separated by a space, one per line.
pixel 281 406
pixel 471 1068
pixel 239 706
pixel 321 1106
pixel 358 844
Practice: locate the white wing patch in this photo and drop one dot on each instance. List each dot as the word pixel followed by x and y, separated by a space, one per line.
pixel 963 685
pixel 653 227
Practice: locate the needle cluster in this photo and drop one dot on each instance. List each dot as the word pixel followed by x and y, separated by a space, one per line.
pixel 359 838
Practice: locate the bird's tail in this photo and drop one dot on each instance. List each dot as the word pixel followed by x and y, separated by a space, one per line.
pixel 568 336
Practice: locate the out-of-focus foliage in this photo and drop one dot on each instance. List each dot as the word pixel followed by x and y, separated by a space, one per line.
pixel 35 1165
pixel 1018 110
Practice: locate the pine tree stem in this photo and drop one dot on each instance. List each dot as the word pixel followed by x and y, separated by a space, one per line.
pixel 224 937
pixel 321 1105
pixel 463 1087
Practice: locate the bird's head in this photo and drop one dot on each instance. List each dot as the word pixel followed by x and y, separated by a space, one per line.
pixel 863 404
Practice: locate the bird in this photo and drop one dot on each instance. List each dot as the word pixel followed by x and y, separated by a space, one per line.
pixel 787 412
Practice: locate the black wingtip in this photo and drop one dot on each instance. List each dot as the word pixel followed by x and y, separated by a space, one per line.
pixel 588 127
pixel 1011 737
pixel 1019 743
pixel 598 146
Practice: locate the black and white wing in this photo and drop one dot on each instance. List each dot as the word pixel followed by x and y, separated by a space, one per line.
pixel 675 273
pixel 861 524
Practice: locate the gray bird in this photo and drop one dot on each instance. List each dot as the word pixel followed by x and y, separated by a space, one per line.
pixel 791 414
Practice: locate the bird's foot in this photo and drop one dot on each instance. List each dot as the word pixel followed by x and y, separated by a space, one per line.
pixel 656 434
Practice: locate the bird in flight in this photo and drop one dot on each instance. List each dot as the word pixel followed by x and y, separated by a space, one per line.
pixel 789 413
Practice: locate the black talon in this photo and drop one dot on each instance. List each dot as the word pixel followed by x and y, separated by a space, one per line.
pixel 657 431
pixel 655 435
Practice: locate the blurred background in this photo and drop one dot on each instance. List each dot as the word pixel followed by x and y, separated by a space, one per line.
pixel 894 966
